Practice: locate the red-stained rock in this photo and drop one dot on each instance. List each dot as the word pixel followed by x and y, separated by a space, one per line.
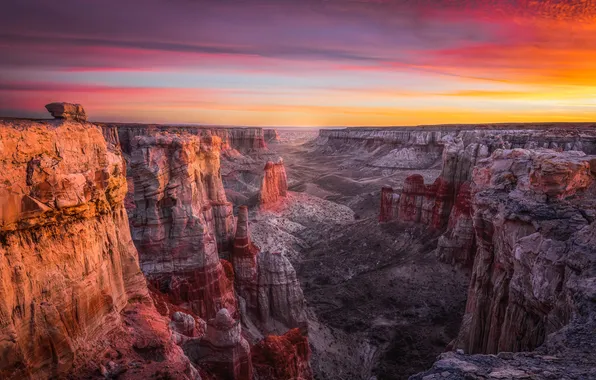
pixel 275 183
pixel 267 282
pixel 72 290
pixel 244 260
pixel 181 212
pixel 283 357
pixel 386 213
pixel 223 352
pixel 457 244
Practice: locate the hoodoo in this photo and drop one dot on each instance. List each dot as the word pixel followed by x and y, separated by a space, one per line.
pixel 275 183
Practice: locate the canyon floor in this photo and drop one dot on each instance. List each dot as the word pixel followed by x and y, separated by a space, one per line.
pixel 380 303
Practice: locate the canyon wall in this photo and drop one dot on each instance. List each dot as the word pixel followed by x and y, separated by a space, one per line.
pixel 68 266
pixel 432 204
pixel 180 218
pixel 534 272
pixel 250 140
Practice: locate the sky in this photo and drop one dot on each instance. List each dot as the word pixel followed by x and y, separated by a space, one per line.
pixel 301 62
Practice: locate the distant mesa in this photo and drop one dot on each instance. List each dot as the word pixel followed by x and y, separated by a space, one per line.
pixel 67 111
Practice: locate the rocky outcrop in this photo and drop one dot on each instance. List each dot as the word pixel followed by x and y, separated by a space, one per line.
pixel 529 230
pixel 67 111
pixel 389 201
pixel 427 204
pixel 244 260
pixel 223 352
pixel 72 291
pixel 244 140
pixel 534 271
pixel 271 135
pixel 181 217
pixel 458 244
pixel 267 282
pixel 274 185
pixel 283 357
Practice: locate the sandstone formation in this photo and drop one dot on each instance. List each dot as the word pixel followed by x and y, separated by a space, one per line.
pixel 244 260
pixel 223 352
pixel 67 111
pixel 267 282
pixel 275 183
pixel 533 277
pixel 426 204
pixel 283 357
pixel 388 203
pixel 72 290
pixel 271 136
pixel 181 217
pixel 458 244
pixel 244 140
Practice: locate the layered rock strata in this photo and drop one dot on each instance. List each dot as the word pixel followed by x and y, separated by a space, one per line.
pixel 267 282
pixel 223 352
pixel 421 203
pixel 534 270
pixel 244 140
pixel 283 357
pixel 532 212
pixel 274 185
pixel 181 217
pixel 67 111
pixel 389 200
pixel 271 135
pixel 68 265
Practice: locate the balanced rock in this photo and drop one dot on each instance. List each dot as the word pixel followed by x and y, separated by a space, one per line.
pixel 67 111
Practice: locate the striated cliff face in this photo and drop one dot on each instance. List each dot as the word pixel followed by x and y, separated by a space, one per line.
pixel 529 209
pixel 181 217
pixel 68 266
pixel 274 185
pixel 267 282
pixel 532 285
pixel 283 357
pixel 458 244
pixel 271 135
pixel 244 140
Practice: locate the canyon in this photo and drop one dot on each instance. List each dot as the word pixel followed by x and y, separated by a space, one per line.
pixel 190 252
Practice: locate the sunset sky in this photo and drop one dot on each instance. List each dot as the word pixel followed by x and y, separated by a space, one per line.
pixel 301 62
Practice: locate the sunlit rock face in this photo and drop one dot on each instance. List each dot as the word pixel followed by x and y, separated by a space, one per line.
pixel 68 264
pixel 244 140
pixel 274 185
pixel 181 212
pixel 532 285
pixel 67 111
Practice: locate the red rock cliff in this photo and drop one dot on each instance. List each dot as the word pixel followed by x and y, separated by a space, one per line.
pixel 68 267
pixel 275 183
pixel 181 216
